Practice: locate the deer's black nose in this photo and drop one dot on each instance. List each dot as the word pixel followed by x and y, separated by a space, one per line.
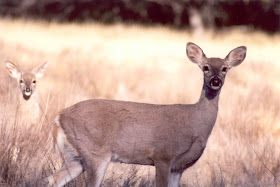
pixel 27 89
pixel 216 81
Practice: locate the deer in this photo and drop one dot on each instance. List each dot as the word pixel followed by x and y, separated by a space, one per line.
pixel 92 133
pixel 28 108
pixel 29 119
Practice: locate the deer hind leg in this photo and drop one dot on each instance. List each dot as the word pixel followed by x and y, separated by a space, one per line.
pixel 73 163
pixel 96 169
pixel 67 173
pixel 72 168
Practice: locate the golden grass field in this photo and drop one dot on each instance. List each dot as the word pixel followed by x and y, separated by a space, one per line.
pixel 144 64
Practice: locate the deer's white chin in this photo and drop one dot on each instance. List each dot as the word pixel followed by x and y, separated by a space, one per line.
pixel 215 87
pixel 27 93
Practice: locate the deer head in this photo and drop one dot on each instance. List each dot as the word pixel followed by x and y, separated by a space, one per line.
pixel 215 69
pixel 26 80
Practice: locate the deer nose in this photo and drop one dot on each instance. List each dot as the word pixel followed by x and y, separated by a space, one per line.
pixel 216 81
pixel 27 89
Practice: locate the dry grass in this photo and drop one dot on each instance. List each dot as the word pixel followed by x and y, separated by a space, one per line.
pixel 145 64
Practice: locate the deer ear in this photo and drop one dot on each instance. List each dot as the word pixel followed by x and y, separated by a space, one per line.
pixel 195 54
pixel 40 70
pixel 236 56
pixel 14 71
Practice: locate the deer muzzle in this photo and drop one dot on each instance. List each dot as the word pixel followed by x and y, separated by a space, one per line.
pixel 27 92
pixel 216 83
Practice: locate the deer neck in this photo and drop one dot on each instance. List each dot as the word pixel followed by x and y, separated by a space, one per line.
pixel 209 96
pixel 32 98
pixel 29 108
pixel 208 107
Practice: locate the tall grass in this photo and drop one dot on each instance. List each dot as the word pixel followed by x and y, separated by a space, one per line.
pixel 143 64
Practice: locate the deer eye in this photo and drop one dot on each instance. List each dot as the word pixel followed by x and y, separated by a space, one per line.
pixel 205 69
pixel 34 81
pixel 21 81
pixel 224 70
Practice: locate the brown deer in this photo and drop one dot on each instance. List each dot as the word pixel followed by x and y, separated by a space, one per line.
pixel 29 109
pixel 172 138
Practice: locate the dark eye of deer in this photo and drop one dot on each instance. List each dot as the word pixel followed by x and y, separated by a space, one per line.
pixel 21 81
pixel 34 82
pixel 206 69
pixel 224 70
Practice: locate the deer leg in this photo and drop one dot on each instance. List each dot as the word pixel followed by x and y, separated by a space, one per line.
pixel 72 168
pixel 174 179
pixel 67 173
pixel 188 158
pixel 96 171
pixel 162 173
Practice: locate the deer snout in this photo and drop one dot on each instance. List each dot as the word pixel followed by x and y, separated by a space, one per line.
pixel 27 92
pixel 216 83
pixel 27 89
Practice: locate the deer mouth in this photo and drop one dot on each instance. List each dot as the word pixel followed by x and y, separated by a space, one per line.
pixel 26 97
pixel 27 94
pixel 216 83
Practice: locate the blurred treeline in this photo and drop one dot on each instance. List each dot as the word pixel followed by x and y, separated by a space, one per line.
pixel 260 14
